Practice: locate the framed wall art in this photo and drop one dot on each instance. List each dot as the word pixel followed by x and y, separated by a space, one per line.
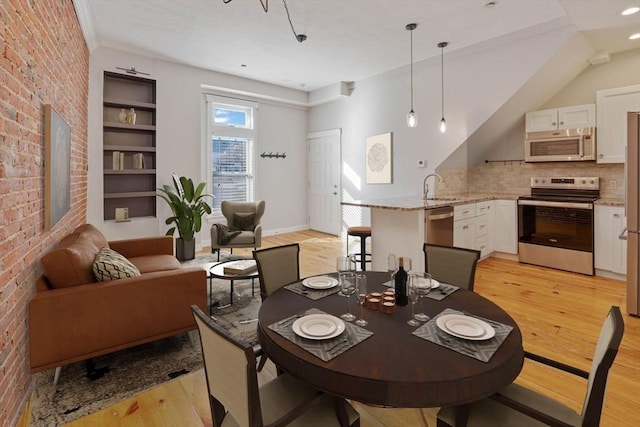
pixel 57 167
pixel 378 159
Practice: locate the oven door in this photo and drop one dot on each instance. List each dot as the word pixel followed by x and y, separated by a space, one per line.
pixel 556 234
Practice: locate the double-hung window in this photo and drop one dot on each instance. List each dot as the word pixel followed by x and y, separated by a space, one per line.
pixel 230 141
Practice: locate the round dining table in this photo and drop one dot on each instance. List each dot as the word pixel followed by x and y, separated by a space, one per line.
pixel 394 368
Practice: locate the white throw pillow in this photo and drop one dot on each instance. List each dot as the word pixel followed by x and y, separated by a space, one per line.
pixel 110 265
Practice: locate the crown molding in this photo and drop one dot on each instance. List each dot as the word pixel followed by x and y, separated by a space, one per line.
pixel 86 18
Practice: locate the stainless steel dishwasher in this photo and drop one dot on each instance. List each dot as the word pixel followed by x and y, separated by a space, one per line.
pixel 438 227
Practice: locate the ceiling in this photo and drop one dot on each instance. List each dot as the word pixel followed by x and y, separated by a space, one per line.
pixel 348 40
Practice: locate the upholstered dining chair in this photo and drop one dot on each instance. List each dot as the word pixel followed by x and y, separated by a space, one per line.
pixel 516 405
pixel 277 266
pixel 237 400
pixel 242 230
pixel 452 265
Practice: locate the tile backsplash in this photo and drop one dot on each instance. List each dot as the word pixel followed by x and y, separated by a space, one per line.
pixel 513 177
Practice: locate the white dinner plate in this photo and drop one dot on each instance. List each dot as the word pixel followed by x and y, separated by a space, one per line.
pixel 434 284
pixel 318 326
pixel 320 282
pixel 466 327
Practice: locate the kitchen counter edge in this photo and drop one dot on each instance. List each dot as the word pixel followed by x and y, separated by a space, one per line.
pixel 412 203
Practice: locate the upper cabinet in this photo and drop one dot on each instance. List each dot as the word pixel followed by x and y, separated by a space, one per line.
pixel 613 105
pixel 129 145
pixel 577 116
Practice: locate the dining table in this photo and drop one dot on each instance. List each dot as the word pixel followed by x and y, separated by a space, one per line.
pixel 390 363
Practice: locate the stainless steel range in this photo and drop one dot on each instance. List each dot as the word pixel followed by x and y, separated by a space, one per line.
pixel 555 223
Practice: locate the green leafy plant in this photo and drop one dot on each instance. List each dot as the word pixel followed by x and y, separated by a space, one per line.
pixel 187 204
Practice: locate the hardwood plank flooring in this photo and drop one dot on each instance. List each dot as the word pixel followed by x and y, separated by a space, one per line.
pixel 559 314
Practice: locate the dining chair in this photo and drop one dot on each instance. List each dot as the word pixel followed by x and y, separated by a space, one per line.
pixel 516 405
pixel 452 265
pixel 237 400
pixel 277 266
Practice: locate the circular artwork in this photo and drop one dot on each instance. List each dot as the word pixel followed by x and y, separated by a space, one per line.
pixel 377 157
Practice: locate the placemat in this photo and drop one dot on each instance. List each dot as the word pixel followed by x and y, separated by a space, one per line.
pixel 481 350
pixel 322 349
pixel 442 291
pixel 313 294
pixel 439 293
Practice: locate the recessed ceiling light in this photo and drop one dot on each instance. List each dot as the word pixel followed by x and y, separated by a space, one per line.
pixel 630 11
pixel 635 36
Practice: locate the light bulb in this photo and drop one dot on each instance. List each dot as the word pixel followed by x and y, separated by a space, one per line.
pixel 443 125
pixel 412 119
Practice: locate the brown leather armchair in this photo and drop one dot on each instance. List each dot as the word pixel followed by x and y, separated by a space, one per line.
pixel 243 226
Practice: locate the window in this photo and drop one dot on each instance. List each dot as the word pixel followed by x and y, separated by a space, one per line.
pixel 230 152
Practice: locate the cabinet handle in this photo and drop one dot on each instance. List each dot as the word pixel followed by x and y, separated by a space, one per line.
pixel 622 235
pixel 553 123
pixel 465 212
pixel 561 123
pixel 601 156
pixel 464 227
pixel 616 215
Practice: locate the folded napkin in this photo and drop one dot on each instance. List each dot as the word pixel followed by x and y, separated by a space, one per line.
pixel 481 350
pixel 322 349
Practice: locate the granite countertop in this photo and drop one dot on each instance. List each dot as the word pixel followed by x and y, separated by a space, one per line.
pixel 610 202
pixel 411 203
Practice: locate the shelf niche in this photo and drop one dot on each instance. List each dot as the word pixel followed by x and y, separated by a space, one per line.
pixel 126 186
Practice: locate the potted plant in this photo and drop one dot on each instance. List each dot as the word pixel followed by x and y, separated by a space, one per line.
pixel 188 206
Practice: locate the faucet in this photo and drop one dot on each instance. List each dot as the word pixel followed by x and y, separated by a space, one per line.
pixel 425 186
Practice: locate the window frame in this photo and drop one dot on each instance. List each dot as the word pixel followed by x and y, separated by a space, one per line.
pixel 248 132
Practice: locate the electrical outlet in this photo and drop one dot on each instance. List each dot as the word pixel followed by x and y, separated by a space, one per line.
pixel 613 184
pixel 422 163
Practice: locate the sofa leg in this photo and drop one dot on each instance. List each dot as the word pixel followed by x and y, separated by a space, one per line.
pixel 56 376
pixel 192 338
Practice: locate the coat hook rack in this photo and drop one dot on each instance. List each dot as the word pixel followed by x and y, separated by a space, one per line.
pixel 270 155
pixel 504 162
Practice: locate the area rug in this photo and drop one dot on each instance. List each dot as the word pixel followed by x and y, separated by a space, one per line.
pixel 86 387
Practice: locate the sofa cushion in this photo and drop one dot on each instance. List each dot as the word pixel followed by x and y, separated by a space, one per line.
pixel 244 221
pixel 152 263
pixel 71 262
pixel 110 265
pixel 93 234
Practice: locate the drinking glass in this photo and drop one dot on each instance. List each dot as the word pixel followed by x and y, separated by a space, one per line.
pixel 424 287
pixel 348 288
pixel 407 264
pixel 413 294
pixel 361 295
pixel 343 266
pixel 392 266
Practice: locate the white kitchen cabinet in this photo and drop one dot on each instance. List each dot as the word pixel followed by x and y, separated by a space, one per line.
pixel 576 116
pixel 473 227
pixel 610 252
pixel 613 105
pixel 484 227
pixel 505 227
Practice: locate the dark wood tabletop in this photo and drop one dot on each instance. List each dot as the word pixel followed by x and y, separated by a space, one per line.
pixel 393 367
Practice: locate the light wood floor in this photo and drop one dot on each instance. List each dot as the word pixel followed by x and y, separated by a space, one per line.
pixel 559 314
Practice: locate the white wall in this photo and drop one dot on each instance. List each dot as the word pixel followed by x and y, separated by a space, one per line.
pixel 477 83
pixel 282 127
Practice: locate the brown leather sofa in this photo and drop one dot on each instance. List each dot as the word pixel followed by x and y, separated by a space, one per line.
pixel 72 317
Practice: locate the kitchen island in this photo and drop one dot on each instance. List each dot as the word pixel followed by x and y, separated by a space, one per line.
pixel 398 225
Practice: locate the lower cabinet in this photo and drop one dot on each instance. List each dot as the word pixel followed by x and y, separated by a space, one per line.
pixel 505 217
pixel 610 251
pixel 473 227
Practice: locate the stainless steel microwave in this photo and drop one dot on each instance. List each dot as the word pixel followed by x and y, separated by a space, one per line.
pixel 566 145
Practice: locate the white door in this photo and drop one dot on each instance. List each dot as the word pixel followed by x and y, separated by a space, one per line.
pixel 325 212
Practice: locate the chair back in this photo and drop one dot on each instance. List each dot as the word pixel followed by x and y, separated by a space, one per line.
pixel 452 265
pixel 606 350
pixel 230 369
pixel 277 266
pixel 230 208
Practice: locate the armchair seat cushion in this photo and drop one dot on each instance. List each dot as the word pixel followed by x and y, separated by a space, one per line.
pixel 244 238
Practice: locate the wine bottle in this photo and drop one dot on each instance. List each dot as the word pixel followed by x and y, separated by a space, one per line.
pixel 401 284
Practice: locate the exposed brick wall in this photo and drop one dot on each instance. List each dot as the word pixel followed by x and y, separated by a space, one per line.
pixel 43 60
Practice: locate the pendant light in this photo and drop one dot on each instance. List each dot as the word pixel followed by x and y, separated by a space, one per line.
pixel 443 122
pixel 412 118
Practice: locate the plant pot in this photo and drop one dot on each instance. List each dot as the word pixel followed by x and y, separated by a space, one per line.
pixel 185 249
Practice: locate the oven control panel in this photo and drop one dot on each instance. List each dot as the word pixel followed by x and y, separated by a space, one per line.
pixel 582 183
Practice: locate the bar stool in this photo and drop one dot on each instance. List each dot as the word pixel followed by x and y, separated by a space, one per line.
pixel 362 232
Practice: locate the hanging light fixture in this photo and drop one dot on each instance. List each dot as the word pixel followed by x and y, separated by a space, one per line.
pixel 412 118
pixel 265 7
pixel 443 122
